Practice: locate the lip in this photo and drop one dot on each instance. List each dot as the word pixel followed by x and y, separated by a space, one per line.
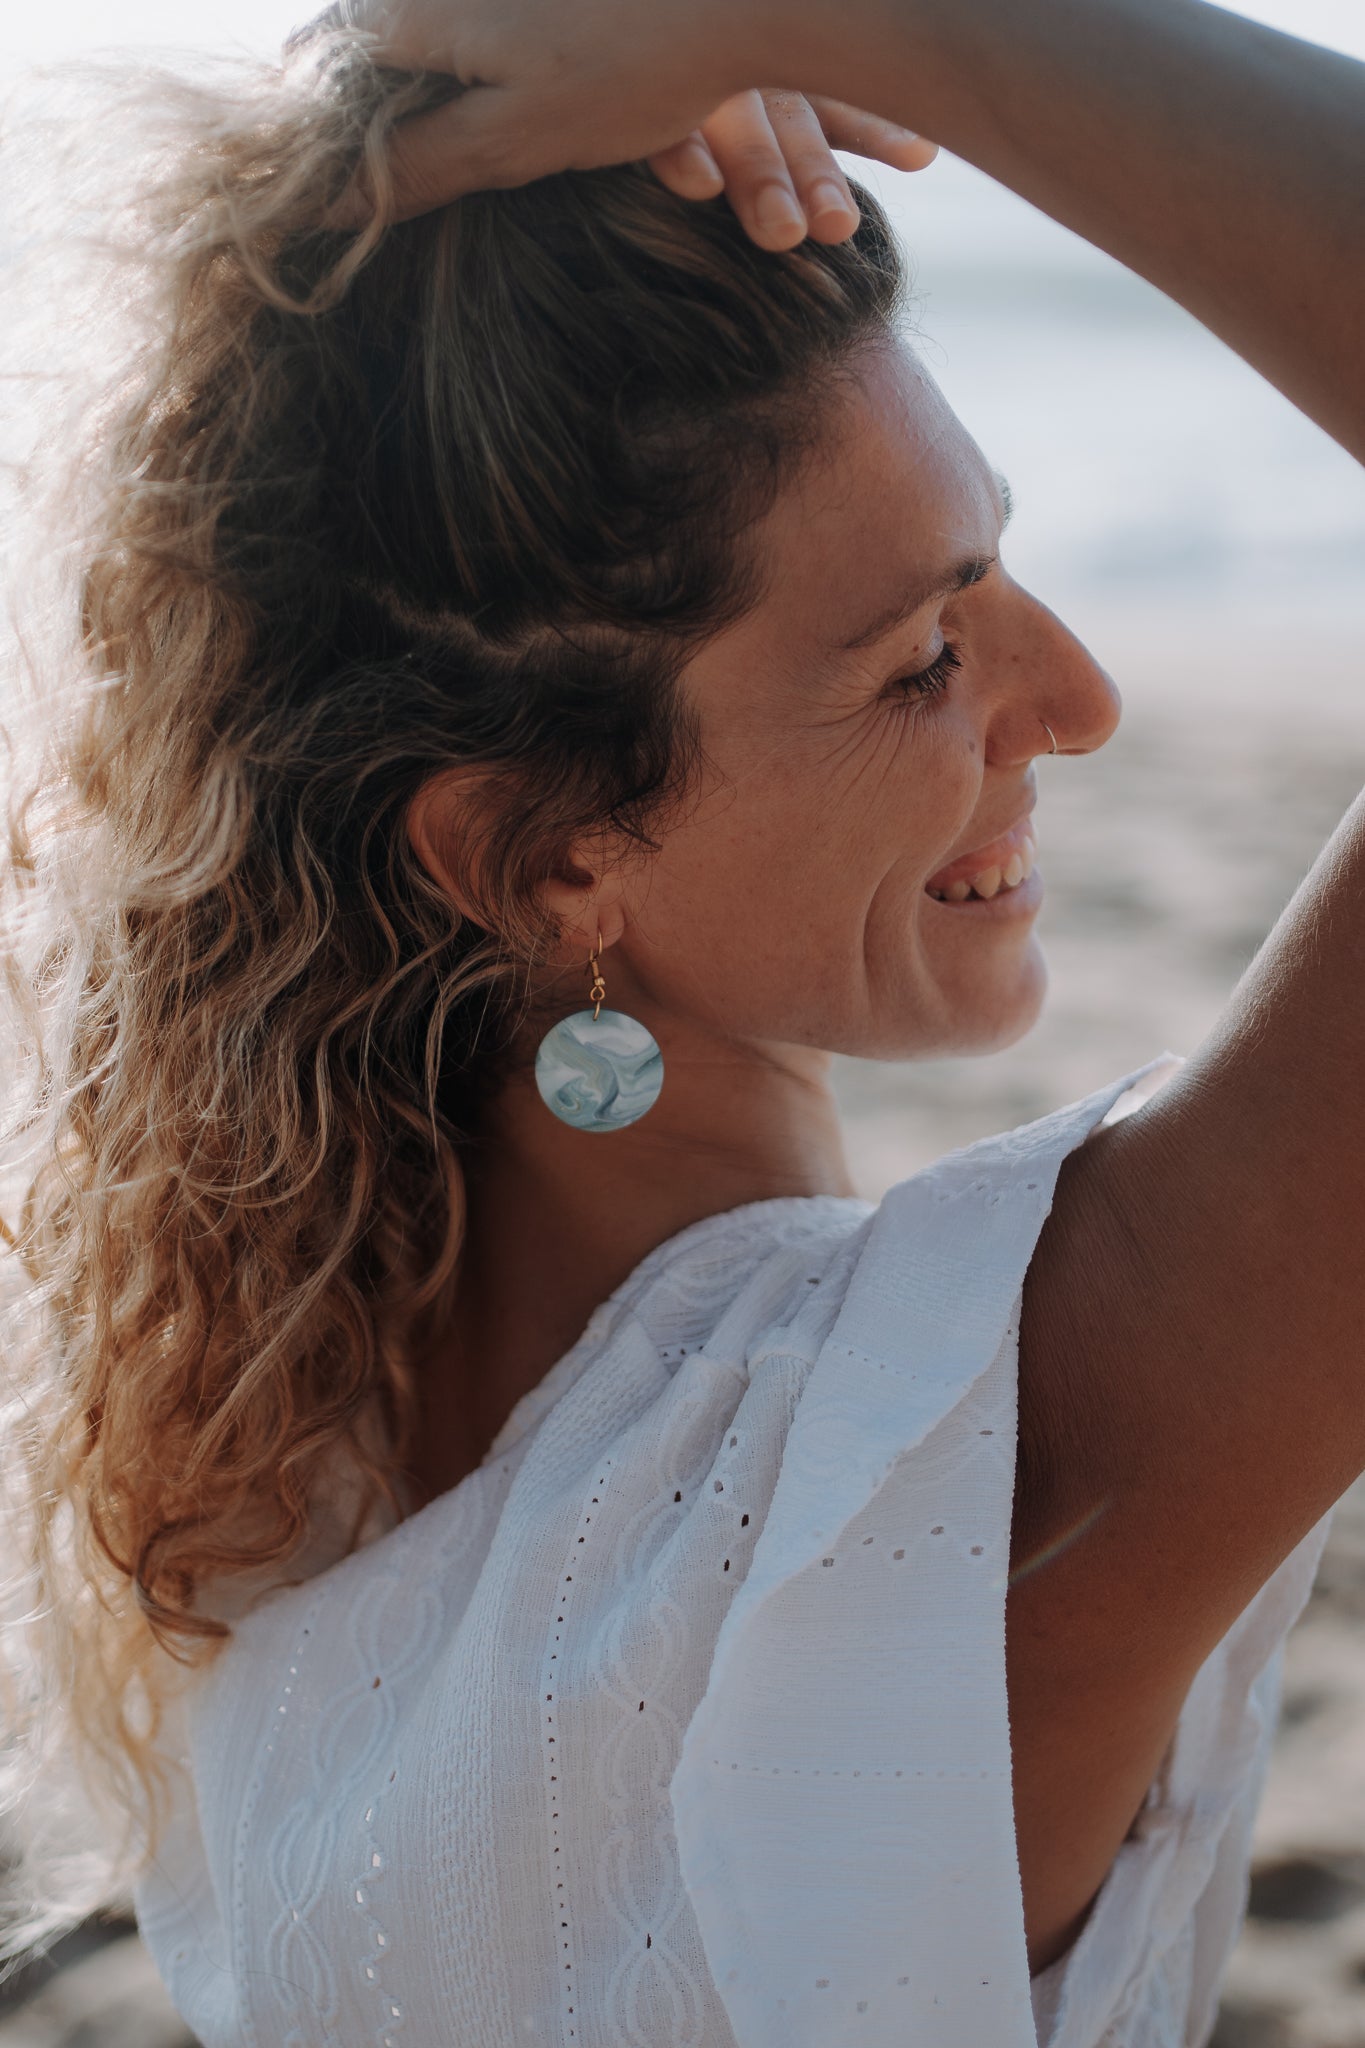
pixel 994 854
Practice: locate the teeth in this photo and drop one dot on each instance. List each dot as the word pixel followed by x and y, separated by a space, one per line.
pixel 991 881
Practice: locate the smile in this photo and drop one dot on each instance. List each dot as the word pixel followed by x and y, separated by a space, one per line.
pixel 1004 867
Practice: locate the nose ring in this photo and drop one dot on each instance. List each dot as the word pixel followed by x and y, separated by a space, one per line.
pixel 1050 733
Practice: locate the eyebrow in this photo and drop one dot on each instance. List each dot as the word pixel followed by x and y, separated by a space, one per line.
pixel 961 576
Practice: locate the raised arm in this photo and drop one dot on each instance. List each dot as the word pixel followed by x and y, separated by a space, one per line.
pixel 1221 160
pixel 1218 158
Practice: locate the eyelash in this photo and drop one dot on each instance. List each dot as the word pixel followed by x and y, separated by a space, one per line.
pixel 932 681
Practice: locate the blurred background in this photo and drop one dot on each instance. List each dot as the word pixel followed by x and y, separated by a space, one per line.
pixel 1209 546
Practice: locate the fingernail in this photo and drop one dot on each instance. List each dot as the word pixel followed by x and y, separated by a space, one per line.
pixel 828 198
pixel 777 211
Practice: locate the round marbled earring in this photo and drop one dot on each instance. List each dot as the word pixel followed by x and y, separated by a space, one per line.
pixel 599 1070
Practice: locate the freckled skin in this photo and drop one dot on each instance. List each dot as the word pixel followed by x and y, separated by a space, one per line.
pixel 830 798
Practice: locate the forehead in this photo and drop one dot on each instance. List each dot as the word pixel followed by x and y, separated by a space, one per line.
pixel 896 491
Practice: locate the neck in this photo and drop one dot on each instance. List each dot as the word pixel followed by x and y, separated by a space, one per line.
pixel 558 1218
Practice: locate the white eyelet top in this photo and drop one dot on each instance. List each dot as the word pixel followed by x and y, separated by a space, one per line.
pixel 681 1722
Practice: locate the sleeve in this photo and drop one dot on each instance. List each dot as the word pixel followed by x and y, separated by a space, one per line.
pixel 843 1800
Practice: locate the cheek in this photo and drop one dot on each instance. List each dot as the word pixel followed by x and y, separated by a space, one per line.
pixel 897 810
pixel 889 797
pixel 779 869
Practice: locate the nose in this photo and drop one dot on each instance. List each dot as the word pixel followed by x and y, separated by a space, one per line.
pixel 1049 678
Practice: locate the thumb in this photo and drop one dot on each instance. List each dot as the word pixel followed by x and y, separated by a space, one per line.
pixel 485 138
pixel 477 141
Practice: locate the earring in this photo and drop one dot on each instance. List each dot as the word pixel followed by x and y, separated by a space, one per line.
pixel 599 1070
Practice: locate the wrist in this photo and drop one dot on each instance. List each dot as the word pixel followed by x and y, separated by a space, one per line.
pixel 906 60
pixel 797 44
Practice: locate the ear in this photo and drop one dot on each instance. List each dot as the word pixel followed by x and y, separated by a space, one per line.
pixel 452 823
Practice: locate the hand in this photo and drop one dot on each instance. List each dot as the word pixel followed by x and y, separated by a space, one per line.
pixel 549 88
pixel 772 154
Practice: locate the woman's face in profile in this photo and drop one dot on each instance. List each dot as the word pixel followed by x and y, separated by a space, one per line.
pixel 802 898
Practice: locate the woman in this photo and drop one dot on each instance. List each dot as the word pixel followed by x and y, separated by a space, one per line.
pixel 550 633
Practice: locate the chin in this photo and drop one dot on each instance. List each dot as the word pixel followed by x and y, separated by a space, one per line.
pixel 1007 1015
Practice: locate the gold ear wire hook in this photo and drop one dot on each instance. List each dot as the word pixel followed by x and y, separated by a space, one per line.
pixel 597 994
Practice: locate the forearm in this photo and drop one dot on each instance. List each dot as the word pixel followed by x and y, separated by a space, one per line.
pixel 1223 161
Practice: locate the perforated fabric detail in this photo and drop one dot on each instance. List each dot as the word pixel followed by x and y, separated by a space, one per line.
pixel 681 1722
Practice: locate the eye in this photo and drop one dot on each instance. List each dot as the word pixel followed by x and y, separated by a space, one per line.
pixel 930 681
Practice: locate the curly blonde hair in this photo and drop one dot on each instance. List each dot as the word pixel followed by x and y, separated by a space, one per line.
pixel 348 509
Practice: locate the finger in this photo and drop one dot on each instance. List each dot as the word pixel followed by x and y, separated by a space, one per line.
pixel 864 134
pixel 689 169
pixel 826 199
pixel 758 184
